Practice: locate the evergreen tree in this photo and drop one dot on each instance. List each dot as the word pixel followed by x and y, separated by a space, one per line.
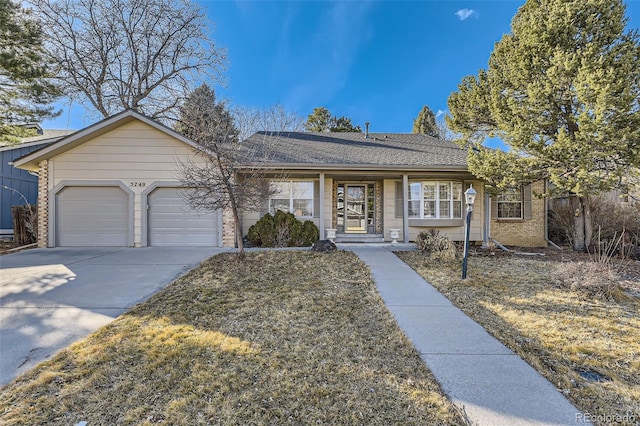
pixel 425 123
pixel 25 88
pixel 343 124
pixel 203 119
pixel 562 90
pixel 321 120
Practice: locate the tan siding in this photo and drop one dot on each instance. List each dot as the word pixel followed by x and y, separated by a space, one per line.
pixel 130 156
pixel 127 176
pixel 106 149
pixel 134 128
pixel 327 200
pixel 389 208
pixel 135 154
pixel 105 169
pixel 119 155
pixel 249 218
pixel 454 233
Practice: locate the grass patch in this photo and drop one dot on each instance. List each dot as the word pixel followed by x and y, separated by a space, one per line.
pixel 281 338
pixel 589 348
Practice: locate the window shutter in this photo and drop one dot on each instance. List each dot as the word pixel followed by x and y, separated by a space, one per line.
pixel 399 200
pixel 526 202
pixel 494 207
pixel 317 205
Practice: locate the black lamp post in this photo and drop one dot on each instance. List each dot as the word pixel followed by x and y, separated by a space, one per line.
pixel 470 198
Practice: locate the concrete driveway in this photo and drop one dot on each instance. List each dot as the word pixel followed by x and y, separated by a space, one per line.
pixel 50 298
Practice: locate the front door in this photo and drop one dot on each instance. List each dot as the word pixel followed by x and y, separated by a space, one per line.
pixel 355 208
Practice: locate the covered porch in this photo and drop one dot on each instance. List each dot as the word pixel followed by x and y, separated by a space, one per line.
pixel 367 205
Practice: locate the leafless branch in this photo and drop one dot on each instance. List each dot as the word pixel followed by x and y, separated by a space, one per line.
pixel 118 54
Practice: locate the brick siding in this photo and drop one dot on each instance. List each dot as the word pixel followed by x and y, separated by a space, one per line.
pixel 228 228
pixel 43 204
pixel 523 233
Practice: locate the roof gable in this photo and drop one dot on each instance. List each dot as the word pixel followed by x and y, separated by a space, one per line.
pixel 30 161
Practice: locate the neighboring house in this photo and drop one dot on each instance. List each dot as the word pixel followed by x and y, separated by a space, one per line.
pixel 116 183
pixel 15 183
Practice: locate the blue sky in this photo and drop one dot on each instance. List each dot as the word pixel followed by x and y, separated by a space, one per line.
pixel 376 61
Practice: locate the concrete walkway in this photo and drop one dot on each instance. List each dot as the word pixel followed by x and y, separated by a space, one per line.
pixel 491 383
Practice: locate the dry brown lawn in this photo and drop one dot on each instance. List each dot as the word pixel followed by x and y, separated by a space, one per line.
pixel 281 338
pixel 588 347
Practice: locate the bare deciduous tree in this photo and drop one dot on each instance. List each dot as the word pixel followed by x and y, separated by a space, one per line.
pixel 250 120
pixel 138 54
pixel 225 173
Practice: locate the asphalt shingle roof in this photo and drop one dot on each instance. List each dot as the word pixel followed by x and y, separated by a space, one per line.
pixel 379 149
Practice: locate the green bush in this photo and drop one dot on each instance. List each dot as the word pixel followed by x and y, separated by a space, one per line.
pixel 310 234
pixel 436 246
pixel 282 230
pixel 263 233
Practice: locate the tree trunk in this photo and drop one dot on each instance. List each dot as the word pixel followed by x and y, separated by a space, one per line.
pixel 582 223
pixel 588 221
pixel 25 224
pixel 236 221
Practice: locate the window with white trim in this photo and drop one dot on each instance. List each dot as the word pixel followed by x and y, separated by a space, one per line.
pixel 509 204
pixel 435 200
pixel 292 197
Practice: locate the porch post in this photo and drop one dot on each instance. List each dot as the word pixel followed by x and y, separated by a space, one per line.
pixel 405 208
pixel 321 202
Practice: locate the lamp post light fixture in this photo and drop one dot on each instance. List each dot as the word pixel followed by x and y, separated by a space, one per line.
pixel 470 198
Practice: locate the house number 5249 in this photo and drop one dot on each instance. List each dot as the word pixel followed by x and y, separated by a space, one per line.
pixel 137 184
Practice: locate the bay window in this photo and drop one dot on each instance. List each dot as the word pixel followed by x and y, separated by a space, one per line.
pixel 435 200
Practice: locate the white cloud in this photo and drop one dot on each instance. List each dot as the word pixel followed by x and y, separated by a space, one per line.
pixel 463 14
pixel 440 113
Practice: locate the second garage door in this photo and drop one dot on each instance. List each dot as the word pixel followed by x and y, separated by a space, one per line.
pixel 92 216
pixel 171 222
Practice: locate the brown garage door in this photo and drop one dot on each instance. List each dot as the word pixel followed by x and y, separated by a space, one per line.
pixel 171 222
pixel 92 216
